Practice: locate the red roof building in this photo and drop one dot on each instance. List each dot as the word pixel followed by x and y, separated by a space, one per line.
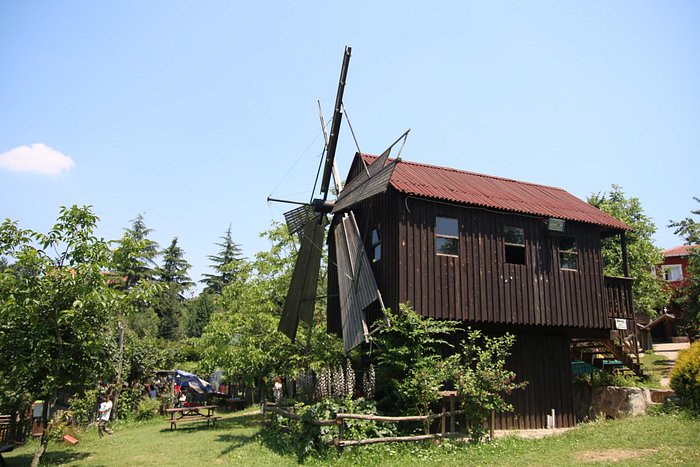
pixel 675 267
pixel 470 188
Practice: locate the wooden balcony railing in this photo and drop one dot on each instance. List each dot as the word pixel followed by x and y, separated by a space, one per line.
pixel 619 305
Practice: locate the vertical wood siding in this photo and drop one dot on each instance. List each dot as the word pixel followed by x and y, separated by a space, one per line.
pixel 542 361
pixel 478 285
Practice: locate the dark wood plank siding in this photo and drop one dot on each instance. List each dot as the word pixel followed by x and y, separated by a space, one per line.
pixel 478 285
pixel 542 361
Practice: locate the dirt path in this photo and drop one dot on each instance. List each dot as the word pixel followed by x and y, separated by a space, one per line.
pixel 670 353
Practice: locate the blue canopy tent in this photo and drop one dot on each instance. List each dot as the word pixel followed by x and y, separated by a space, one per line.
pixel 193 382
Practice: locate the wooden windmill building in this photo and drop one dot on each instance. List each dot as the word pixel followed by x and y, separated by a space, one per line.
pixel 497 254
pixel 500 255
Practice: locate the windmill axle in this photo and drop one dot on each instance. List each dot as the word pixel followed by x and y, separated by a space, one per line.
pixel 322 206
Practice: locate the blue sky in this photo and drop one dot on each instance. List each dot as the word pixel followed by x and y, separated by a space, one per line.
pixel 192 113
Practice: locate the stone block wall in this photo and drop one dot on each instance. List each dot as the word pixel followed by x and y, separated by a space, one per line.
pixel 614 401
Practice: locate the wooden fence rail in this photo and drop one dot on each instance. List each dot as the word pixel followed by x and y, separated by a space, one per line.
pixel 340 419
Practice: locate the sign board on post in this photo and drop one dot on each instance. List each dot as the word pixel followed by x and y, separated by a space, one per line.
pixel 620 323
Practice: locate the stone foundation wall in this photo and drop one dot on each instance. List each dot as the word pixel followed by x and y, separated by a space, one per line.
pixel 614 402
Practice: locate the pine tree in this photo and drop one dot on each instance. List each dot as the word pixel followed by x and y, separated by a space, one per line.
pixel 227 264
pixel 175 267
pixel 170 307
pixel 135 254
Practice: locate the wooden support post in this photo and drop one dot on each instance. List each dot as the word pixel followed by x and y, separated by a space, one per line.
pixel 452 415
pixel 625 265
pixel 443 419
pixel 492 424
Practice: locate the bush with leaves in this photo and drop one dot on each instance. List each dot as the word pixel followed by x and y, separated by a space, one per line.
pixel 315 439
pixel 147 409
pixel 129 400
pixel 84 407
pixel 685 377
pixel 410 368
pixel 481 378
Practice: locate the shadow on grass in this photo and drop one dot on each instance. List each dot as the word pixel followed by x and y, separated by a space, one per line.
pixel 664 367
pixel 228 422
pixel 50 458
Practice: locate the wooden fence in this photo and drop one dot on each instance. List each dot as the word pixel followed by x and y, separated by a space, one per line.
pixel 340 419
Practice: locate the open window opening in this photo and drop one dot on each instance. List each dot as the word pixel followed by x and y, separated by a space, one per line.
pixel 446 236
pixel 514 240
pixel 568 253
pixel 376 248
pixel 672 272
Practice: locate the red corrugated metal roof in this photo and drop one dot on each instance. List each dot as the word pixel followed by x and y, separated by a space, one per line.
pixel 683 250
pixel 459 186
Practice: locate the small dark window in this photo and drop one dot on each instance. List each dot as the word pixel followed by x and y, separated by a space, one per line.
pixel 376 246
pixel 514 239
pixel 568 253
pixel 446 236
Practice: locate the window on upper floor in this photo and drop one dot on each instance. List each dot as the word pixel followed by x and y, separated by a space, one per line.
pixel 514 240
pixel 446 236
pixel 568 253
pixel 672 272
pixel 376 246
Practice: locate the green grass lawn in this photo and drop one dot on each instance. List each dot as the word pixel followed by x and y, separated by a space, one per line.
pixel 656 365
pixel 238 439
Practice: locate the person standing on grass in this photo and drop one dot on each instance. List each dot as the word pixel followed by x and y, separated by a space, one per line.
pixel 103 419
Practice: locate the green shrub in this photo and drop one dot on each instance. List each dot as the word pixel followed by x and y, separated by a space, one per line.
pixel 84 407
pixel 409 372
pixel 147 409
pixel 481 378
pixel 603 378
pixel 129 400
pixel 63 424
pixel 685 377
pixel 315 439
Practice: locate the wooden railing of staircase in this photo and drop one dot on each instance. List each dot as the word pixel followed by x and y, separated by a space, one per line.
pixel 619 305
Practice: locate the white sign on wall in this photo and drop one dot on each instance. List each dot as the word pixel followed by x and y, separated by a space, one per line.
pixel 620 323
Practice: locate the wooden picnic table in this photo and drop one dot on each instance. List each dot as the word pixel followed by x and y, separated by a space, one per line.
pixel 198 413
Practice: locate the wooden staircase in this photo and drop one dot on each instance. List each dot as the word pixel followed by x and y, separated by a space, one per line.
pixel 611 355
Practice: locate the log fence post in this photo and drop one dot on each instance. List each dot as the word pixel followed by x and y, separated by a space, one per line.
pixel 341 431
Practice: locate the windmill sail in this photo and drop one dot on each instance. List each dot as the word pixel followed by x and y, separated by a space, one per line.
pixel 374 180
pixel 356 283
pixel 357 286
pixel 335 125
pixel 297 218
pixel 300 301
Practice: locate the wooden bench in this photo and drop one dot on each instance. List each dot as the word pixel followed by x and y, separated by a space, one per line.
pixel 6 445
pixel 193 418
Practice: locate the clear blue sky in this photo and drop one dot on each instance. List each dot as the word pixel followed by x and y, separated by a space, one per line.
pixel 192 113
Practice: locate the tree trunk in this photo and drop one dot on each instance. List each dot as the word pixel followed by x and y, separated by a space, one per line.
pixel 44 435
pixel 118 382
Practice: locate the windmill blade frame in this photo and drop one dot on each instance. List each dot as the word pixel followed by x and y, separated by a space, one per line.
pixel 372 181
pixel 300 302
pixel 356 282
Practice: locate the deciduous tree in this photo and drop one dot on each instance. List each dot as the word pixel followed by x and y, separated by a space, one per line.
pixel 648 290
pixel 57 309
pixel 689 230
